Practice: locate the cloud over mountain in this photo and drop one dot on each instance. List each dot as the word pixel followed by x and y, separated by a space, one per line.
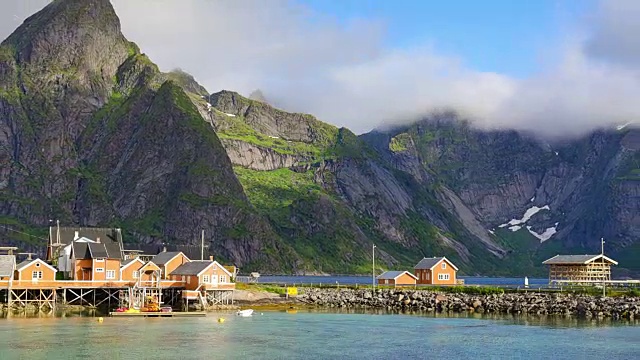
pixel 346 74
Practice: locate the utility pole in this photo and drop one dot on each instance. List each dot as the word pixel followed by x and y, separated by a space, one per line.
pixel 202 247
pixel 604 291
pixel 373 266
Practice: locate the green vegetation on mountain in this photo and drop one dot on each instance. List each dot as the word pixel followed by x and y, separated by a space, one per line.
pixel 400 142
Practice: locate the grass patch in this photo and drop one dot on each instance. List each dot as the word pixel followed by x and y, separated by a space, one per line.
pixel 274 289
pixel 268 190
pixel 400 142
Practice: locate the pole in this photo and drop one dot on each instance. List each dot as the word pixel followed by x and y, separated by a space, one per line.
pixel 604 291
pixel 202 247
pixel 373 266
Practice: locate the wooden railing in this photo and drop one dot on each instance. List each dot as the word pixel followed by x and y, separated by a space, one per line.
pixel 225 286
pixel 58 284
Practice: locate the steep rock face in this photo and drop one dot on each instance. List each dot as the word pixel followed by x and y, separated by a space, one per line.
pixel 168 175
pixel 57 69
pixel 259 158
pixel 95 135
pixel 563 196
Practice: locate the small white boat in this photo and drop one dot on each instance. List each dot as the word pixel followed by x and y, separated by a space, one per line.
pixel 245 313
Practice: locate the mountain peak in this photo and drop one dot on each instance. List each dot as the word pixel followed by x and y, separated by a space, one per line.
pixel 71 33
pixel 258 95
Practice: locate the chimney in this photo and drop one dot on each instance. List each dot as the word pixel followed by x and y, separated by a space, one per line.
pixel 98 240
pixel 164 249
pixel 77 235
pixel 211 258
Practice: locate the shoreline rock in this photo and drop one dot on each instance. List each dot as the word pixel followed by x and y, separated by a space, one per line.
pixel 532 303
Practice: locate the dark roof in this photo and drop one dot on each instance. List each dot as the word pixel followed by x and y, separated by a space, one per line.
pixel 190 251
pixel 428 263
pixel 98 251
pixel 7 265
pixel 391 275
pixel 127 262
pixel 575 259
pixel 191 268
pixel 26 262
pixel 164 257
pixel 80 250
pixel 110 237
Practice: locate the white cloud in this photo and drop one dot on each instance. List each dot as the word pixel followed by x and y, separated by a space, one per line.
pixel 345 74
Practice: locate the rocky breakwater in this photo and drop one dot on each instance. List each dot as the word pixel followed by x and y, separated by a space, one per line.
pixel 585 306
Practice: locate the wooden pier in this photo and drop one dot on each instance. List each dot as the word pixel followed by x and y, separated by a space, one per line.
pixel 47 295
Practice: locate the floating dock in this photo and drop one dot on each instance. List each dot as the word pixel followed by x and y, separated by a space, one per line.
pixel 158 314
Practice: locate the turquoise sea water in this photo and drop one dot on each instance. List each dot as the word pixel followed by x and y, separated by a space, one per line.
pixel 316 335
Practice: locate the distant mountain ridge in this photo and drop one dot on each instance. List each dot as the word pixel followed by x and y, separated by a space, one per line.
pixel 95 135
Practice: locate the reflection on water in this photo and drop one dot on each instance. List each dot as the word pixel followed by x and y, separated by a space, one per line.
pixel 316 334
pixel 522 319
pixel 12 314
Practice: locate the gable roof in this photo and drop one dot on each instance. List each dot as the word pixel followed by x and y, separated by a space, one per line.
pixel 128 262
pixel 429 263
pixel 7 265
pixel 392 275
pixel 80 250
pixel 110 237
pixel 165 256
pixel 192 268
pixel 577 259
pixel 95 250
pixel 150 264
pixel 195 268
pixel 26 263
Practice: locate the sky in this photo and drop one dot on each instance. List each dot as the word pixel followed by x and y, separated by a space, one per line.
pixel 554 67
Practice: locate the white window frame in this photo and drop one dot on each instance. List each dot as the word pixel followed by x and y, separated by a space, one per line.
pixel 111 275
pixel 99 270
pixel 206 279
pixel 136 274
pixel 443 276
pixel 37 264
pixel 427 275
pixel 223 279
pixel 188 279
pixel 36 275
pixel 444 266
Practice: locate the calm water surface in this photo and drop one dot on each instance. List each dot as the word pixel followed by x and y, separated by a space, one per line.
pixel 319 335
pixel 366 280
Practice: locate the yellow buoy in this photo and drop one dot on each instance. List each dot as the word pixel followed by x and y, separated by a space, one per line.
pixel 100 319
pixel 220 320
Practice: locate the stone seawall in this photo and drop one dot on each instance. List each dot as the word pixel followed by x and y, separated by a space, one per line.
pixel 586 306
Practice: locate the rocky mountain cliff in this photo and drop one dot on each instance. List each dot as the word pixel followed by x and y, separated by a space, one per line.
pixel 94 134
